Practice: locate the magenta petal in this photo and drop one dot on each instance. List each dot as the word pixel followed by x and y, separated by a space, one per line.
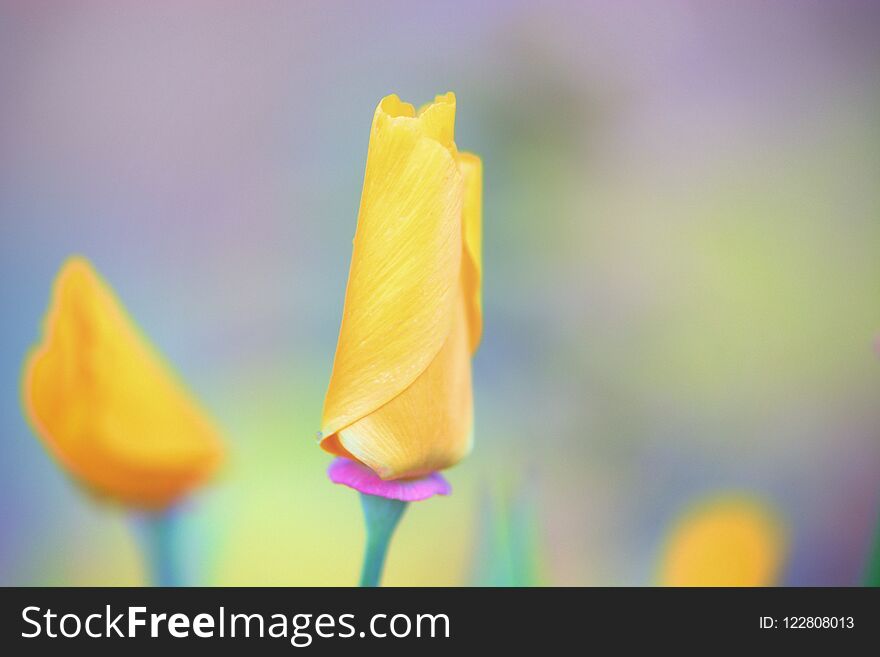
pixel 361 478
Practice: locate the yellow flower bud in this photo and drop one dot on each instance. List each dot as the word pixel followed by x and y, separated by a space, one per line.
pixel 400 398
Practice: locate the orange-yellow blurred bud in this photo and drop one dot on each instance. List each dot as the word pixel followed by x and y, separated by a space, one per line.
pixel 727 541
pixel 107 406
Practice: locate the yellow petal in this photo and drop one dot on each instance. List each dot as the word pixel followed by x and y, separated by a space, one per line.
pixel 404 281
pixel 426 427
pixel 471 168
pixel 729 541
pixel 107 406
pixel 437 120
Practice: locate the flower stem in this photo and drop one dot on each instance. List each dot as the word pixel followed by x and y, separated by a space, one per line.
pixel 872 574
pixel 158 533
pixel 381 516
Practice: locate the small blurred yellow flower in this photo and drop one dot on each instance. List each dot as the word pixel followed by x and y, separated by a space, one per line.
pixel 106 405
pixel 727 541
pixel 400 398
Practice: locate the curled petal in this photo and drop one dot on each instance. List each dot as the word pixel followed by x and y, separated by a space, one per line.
pixel 105 403
pixel 428 426
pixel 354 475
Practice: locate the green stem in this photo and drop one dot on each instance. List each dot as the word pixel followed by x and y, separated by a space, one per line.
pixel 158 533
pixel 381 516
pixel 872 574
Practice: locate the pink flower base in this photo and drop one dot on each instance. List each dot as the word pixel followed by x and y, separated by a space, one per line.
pixel 361 478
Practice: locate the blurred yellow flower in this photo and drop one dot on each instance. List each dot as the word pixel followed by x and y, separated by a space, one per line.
pixel 400 398
pixel 107 406
pixel 726 541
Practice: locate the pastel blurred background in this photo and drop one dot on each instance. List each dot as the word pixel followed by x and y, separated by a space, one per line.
pixel 682 280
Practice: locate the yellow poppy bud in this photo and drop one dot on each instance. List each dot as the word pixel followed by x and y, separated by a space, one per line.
pixel 399 399
pixel 728 541
pixel 107 406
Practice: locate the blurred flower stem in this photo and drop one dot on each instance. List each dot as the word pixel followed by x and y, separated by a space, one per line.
pixel 381 516
pixel 507 552
pixel 872 573
pixel 158 532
